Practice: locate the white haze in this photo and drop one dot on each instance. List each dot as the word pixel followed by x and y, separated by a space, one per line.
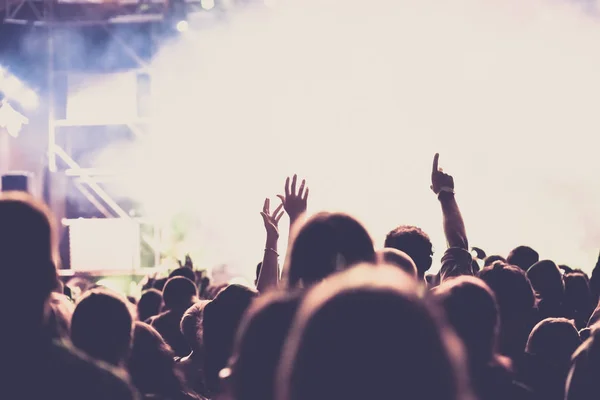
pixel 357 96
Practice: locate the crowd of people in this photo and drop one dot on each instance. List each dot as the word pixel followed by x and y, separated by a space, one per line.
pixel 341 319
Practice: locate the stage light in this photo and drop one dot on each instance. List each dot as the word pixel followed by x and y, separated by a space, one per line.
pixel 29 99
pixel 182 26
pixel 207 4
pixel 11 119
pixel 14 89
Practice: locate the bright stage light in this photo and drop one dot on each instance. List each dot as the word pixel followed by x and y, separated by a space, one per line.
pixel 182 26
pixel 207 4
pixel 14 89
pixel 11 119
pixel 29 99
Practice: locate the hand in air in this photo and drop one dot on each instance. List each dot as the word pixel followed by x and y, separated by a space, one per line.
pixel 294 202
pixel 440 180
pixel 271 220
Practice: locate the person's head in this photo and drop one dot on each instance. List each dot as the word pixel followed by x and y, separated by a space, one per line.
pixel 150 304
pixel 179 293
pixel 398 258
pixel 102 326
pixel 151 364
pixel 251 368
pixel 546 279
pixel 578 297
pixel 221 318
pixel 471 309
pixel 516 302
pixel 490 260
pixel 554 340
pixel 185 272
pixel 326 243
pixel 414 242
pixel 28 255
pixel 191 325
pixel 367 333
pixel 523 257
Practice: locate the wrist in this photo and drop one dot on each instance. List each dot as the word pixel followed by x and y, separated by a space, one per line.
pixel 271 243
pixel 445 194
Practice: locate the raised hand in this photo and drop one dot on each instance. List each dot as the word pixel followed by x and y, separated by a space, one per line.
pixel 294 202
pixel 271 220
pixel 440 181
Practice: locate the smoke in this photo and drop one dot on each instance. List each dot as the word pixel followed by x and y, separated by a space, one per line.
pixel 358 95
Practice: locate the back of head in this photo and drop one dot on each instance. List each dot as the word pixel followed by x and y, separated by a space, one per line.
pixel 102 326
pixel 414 242
pixel 398 258
pixel 523 257
pixel 577 290
pixel 150 304
pixel 471 309
pixel 179 293
pixel 151 363
pixel 191 325
pixel 554 340
pixel 326 243
pixel 28 255
pixel 583 382
pixel 258 345
pixel 220 322
pixel 490 260
pixel 185 272
pixel 516 302
pixel 546 279
pixel 366 334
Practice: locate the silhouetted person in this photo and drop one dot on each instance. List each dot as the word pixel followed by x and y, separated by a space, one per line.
pixel 578 301
pixel 547 281
pixel 471 309
pixel 102 326
pixel 551 344
pixel 252 367
pixel 398 258
pixel 221 318
pixel 185 272
pixel 414 242
pixel 35 365
pixel 152 366
pixel 326 243
pixel 192 365
pixel 516 302
pixel 178 295
pixel 366 333
pixel 523 257
pixel 149 305
pixel 582 381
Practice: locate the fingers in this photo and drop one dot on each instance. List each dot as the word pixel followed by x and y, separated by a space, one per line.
pixel 278 217
pixel 282 198
pixel 287 186
pixel 277 210
pixel 305 198
pixel 265 217
pixel 294 181
pixel 266 206
pixel 301 190
pixel 436 159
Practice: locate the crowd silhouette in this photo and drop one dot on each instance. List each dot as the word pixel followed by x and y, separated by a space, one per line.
pixel 336 317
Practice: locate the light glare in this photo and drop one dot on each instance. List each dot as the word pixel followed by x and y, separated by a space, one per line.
pixel 207 4
pixel 182 26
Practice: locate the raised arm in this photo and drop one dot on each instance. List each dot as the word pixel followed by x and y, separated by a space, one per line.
pixel 269 273
pixel 442 185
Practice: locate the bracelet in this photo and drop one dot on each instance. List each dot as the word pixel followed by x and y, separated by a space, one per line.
pixel 272 250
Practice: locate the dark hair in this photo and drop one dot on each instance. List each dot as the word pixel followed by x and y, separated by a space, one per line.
pixel 578 299
pixel 185 272
pixel 102 325
pixel 258 345
pixel 399 259
pixel 546 279
pixel 366 333
pixel 523 257
pixel 221 319
pixel 554 340
pixel 492 259
pixel 152 365
pixel 414 242
pixel 191 325
pixel 472 310
pixel 28 253
pixel 150 304
pixel 179 293
pixel 326 243
pixel 516 303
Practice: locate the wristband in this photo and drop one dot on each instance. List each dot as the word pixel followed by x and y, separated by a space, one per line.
pixel 272 250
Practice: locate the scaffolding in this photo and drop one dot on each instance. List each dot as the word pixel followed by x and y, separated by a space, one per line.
pixel 53 16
